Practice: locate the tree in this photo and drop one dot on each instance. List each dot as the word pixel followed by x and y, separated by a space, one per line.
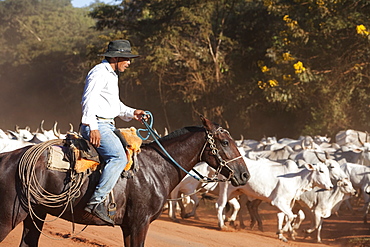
pixel 188 51
pixel 43 60
pixel 299 64
pixel 318 65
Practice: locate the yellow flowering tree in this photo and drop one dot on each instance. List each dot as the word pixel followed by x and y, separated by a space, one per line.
pixel 320 57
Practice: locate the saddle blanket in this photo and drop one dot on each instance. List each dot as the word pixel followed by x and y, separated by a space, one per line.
pixel 58 162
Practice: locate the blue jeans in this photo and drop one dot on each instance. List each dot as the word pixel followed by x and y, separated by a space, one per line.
pixel 114 155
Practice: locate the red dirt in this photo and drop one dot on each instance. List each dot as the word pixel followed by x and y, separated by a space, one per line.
pixel 345 230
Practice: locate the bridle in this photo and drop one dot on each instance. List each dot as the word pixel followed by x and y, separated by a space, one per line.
pixel 214 151
pixel 209 140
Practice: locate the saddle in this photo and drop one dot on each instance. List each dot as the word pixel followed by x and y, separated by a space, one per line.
pixel 77 153
pixel 74 152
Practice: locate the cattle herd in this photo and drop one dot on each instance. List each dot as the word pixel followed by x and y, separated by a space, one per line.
pixel 309 176
pixel 21 137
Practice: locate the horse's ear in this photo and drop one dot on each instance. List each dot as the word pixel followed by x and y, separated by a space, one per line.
pixel 207 124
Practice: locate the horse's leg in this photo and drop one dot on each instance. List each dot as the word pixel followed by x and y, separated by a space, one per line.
pixel 135 238
pixel 6 226
pixel 10 215
pixel 31 230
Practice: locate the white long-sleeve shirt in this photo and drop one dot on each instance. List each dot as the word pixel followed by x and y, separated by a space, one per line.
pixel 101 96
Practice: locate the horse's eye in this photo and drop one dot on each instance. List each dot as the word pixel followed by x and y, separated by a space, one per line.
pixel 224 143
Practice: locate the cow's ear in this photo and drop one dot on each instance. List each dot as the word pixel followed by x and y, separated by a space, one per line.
pixel 309 166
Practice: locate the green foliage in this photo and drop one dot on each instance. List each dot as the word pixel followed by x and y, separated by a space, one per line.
pixel 38 28
pixel 287 67
pixel 188 49
pixel 43 60
pixel 334 74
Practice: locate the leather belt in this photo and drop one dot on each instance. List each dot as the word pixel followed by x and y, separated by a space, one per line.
pixel 103 118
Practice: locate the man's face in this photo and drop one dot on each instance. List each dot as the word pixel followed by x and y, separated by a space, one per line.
pixel 123 63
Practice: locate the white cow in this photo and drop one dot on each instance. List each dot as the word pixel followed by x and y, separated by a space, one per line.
pixel 278 184
pixel 320 204
pixel 281 154
pixel 312 157
pixel 309 156
pixel 304 142
pixel 21 134
pixel 188 187
pixel 359 176
pixel 349 137
pixel 7 145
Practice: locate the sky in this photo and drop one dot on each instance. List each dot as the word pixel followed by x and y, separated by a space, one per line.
pixel 84 3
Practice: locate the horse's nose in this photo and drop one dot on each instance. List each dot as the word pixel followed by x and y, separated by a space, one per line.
pixel 246 176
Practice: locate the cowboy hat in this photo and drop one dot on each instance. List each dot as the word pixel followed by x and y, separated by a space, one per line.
pixel 119 48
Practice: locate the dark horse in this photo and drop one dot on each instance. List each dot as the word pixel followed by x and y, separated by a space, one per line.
pixel 140 199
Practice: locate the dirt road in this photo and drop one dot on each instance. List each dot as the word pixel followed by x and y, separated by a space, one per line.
pixel 345 230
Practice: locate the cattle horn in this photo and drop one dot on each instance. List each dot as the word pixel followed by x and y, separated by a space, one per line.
pixel 303 145
pixel 71 127
pixel 327 155
pixel 42 126
pixel 359 139
pixel 317 156
pixel 312 144
pixel 55 129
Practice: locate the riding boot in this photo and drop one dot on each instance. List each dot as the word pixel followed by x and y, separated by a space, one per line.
pixel 100 211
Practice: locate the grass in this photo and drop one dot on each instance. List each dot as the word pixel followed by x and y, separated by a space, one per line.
pixel 359 242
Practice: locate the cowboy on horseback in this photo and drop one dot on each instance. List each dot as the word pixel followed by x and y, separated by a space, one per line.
pixel 100 105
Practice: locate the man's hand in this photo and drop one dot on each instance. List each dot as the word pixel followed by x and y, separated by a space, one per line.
pixel 95 138
pixel 138 115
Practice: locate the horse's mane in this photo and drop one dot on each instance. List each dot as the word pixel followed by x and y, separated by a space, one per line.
pixel 179 132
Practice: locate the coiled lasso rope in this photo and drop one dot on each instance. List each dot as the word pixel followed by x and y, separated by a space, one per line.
pixel 34 193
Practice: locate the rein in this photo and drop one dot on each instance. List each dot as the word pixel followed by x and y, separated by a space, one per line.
pixel 209 140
